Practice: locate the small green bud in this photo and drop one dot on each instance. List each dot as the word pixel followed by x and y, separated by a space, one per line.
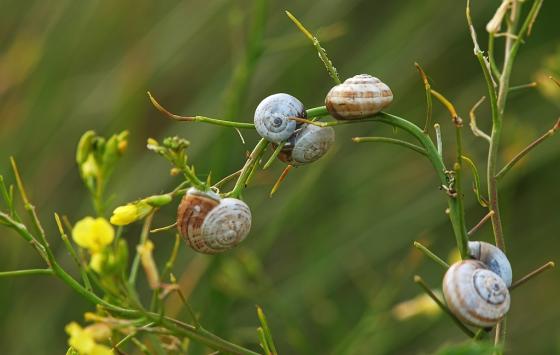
pixel 84 147
pixel 158 200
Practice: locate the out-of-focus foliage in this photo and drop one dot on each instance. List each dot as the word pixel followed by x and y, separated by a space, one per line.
pixel 330 255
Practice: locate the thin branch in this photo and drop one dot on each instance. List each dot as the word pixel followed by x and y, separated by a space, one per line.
pixel 204 119
pixel 274 155
pixel 476 178
pixel 428 96
pixel 439 141
pixel 28 272
pixel 480 223
pixel 320 50
pixel 431 255
pixel 402 143
pixel 474 128
pixel 280 180
pixel 524 86
pixel 418 280
pixel 143 237
pixel 532 274
pixel 530 147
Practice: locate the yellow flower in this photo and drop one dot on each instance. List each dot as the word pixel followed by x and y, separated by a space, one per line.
pixel 96 262
pixel 93 234
pixel 124 215
pixel 82 340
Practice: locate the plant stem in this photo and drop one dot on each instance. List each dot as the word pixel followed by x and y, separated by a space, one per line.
pixel 532 274
pixel 530 147
pixel 254 157
pixel 26 272
pixel 143 237
pixel 419 281
pixel 431 255
pixel 402 143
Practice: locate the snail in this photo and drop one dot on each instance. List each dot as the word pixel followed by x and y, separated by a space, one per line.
pixel 272 117
pixel 210 224
pixel 493 258
pixel 476 295
pixel 359 96
pixel 307 144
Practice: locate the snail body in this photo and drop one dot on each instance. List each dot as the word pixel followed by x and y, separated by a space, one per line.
pixel 357 97
pixel 272 117
pixel 210 224
pixel 307 144
pixel 475 294
pixel 493 258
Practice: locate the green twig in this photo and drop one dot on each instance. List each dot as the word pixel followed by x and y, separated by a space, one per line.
pixel 419 281
pixel 274 155
pixel 476 180
pixel 402 143
pixel 428 96
pixel 28 272
pixel 143 237
pixel 254 157
pixel 320 50
pixel 266 330
pixel 431 255
pixel 527 149
pixel 203 119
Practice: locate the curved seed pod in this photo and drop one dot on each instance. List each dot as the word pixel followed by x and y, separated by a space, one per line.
pixel 475 294
pixel 210 224
pixel 272 117
pixel 360 96
pixel 308 144
pixel 493 258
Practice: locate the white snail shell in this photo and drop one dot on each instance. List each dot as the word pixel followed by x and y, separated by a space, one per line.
pixel 308 144
pixel 210 224
pixel 476 295
pixel 493 258
pixel 359 96
pixel 272 117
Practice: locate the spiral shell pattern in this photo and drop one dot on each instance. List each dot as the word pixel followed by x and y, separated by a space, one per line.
pixel 308 144
pixel 475 294
pixel 493 258
pixel 360 96
pixel 212 225
pixel 272 117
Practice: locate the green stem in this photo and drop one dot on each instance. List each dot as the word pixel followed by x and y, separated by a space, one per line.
pixel 253 159
pixel 143 237
pixel 26 272
pixel 402 143
pixel 431 255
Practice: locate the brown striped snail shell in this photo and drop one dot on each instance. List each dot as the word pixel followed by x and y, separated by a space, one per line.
pixel 272 117
pixel 359 96
pixel 307 144
pixel 210 224
pixel 476 295
pixel 493 258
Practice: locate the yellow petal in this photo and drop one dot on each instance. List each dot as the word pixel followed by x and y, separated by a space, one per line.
pixel 81 233
pixel 99 349
pixel 124 215
pixel 80 339
pixel 103 232
pixel 96 262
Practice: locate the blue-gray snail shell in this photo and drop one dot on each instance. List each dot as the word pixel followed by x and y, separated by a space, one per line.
pixel 493 258
pixel 307 144
pixel 272 117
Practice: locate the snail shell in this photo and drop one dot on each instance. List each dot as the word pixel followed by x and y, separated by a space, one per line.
pixel 493 258
pixel 308 144
pixel 210 224
pixel 475 294
pixel 272 117
pixel 359 96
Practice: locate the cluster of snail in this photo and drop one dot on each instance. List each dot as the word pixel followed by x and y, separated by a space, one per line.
pixel 477 290
pixel 211 224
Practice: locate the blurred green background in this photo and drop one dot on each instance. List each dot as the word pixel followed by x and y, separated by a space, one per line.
pixel 330 255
